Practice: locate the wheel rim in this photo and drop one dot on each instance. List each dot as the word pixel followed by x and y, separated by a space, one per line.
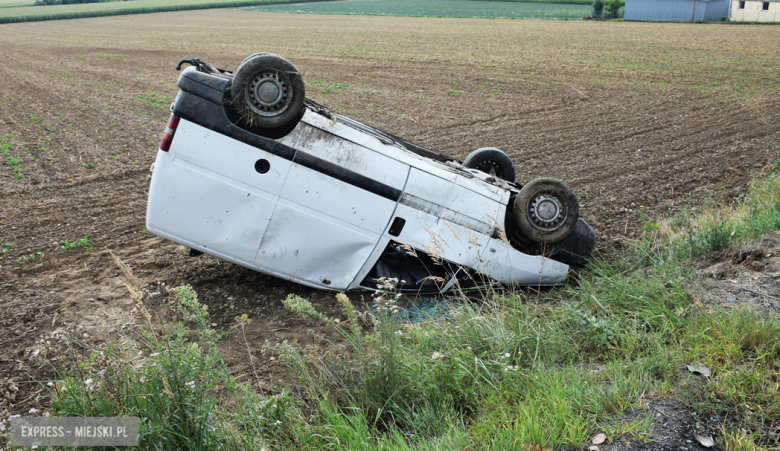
pixel 269 94
pixel 546 212
pixel 492 168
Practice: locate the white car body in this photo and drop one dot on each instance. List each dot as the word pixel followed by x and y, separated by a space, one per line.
pixel 323 213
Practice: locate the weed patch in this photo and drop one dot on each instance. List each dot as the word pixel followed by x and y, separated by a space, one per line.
pixel 80 243
pixel 30 257
pixel 180 389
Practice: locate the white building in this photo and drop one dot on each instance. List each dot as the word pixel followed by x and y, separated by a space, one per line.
pixel 755 11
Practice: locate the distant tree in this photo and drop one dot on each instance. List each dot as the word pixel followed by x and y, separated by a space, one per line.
pixel 598 8
pixel 613 7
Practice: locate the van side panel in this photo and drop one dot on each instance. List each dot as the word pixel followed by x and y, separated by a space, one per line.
pixel 322 251
pixel 323 229
pixel 206 191
pixel 229 158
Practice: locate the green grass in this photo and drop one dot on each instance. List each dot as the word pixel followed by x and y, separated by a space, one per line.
pixel 84 10
pixel 440 8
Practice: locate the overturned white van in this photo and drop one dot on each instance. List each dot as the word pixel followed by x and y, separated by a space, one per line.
pixel 252 172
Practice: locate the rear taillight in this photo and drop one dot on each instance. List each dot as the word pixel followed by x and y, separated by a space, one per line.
pixel 170 130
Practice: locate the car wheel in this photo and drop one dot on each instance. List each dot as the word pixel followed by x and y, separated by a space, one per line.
pixel 268 91
pixel 491 161
pixel 252 56
pixel 546 210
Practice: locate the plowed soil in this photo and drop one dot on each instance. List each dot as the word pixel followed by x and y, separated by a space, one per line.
pixel 667 116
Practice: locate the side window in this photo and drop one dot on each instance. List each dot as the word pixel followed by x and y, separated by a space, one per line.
pixel 742 5
pixel 765 6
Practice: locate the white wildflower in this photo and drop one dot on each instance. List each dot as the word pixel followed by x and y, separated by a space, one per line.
pixel 91 384
pixel 190 384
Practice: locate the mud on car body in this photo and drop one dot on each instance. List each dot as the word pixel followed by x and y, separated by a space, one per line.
pixel 252 172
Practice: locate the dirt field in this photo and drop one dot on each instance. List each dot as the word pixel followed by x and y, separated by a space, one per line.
pixel 661 115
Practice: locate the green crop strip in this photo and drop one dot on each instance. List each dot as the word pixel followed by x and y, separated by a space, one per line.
pixel 535 9
pixel 138 10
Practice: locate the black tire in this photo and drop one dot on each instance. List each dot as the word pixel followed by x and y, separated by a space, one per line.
pixel 268 91
pixel 252 56
pixel 546 211
pixel 492 161
pixel 575 250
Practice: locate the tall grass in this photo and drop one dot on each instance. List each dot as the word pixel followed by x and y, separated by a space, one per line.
pixel 182 391
pixel 510 371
